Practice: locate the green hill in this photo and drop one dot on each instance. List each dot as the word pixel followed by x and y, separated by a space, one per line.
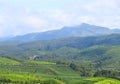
pixel 6 61
pixel 36 73
pixel 46 73
pixel 107 56
pixel 102 50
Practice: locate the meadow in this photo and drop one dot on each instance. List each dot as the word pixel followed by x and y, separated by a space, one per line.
pixel 39 72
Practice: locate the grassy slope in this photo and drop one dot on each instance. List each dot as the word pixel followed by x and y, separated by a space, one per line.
pixel 36 70
pixel 114 57
pixel 26 79
pixel 45 73
pixel 6 61
pixel 38 62
pixel 98 80
pixel 107 56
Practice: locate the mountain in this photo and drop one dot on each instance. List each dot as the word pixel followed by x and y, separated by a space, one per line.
pixel 82 43
pixel 101 51
pixel 73 42
pixel 92 48
pixel 82 30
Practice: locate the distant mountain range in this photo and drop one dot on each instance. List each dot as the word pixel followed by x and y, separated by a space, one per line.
pixel 99 50
pixel 82 30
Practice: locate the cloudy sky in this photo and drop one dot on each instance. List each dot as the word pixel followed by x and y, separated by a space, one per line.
pixel 25 16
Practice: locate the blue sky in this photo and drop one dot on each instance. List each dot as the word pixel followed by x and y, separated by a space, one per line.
pixel 19 17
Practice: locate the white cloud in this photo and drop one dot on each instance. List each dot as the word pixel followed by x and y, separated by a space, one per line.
pixel 27 17
pixel 2 20
pixel 34 22
pixel 101 6
pixel 104 12
pixel 61 17
pixel 87 19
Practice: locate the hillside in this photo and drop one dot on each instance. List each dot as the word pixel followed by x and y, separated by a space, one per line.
pixel 74 42
pixel 6 61
pixel 95 81
pixel 46 73
pixel 101 50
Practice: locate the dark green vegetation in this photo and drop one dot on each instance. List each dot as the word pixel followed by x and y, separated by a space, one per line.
pixel 100 51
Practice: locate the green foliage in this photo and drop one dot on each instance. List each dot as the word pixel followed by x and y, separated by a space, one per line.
pixel 107 73
pixel 73 66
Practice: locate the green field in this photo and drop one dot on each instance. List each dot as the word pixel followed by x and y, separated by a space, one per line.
pixel 29 62
pixel 5 61
pixel 39 72
pixel 31 72
pixel 98 80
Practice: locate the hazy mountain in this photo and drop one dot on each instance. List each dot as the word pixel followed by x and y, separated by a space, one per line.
pixel 102 50
pixel 82 30
pixel 85 42
pixel 36 47
pixel 73 42
pixel 5 38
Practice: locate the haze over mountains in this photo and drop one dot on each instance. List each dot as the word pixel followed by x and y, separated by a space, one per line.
pixel 85 42
pixel 82 30
pixel 102 50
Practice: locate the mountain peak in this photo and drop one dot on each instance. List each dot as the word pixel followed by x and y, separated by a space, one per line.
pixel 82 30
pixel 84 24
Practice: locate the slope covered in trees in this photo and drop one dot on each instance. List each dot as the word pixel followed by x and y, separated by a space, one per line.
pixel 102 51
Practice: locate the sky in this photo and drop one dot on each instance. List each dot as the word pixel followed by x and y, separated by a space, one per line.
pixel 18 17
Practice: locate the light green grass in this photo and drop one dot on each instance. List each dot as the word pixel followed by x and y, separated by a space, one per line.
pixel 38 62
pixel 26 79
pixel 96 80
pixel 6 61
pixel 36 72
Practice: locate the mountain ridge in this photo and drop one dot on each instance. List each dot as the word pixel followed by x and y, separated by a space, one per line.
pixel 100 50
pixel 82 30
